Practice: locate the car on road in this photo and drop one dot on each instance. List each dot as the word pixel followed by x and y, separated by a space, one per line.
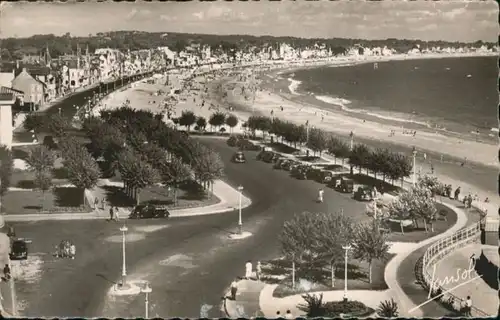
pixel 324 176
pixel 264 154
pixel 279 163
pixel 149 211
pixel 19 250
pixel 239 157
pixel 363 193
pixel 300 172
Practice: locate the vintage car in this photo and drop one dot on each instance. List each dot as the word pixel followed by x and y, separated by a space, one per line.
pixel 149 211
pixel 18 250
pixel 238 157
pixel 342 184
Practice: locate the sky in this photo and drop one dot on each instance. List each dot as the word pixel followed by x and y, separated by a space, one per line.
pixel 447 20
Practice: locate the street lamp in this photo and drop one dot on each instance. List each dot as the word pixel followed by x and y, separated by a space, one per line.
pixel 346 248
pixel 414 153
pixel 147 290
pixel 124 229
pixel 240 224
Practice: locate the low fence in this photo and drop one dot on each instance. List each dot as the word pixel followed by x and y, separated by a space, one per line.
pixel 443 247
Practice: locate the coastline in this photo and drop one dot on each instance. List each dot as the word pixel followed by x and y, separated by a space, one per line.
pixel 474 178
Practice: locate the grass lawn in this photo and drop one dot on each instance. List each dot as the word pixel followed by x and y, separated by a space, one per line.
pixel 413 234
pixel 189 195
pixel 57 200
pixel 279 271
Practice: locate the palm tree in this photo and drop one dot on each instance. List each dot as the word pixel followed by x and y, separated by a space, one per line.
pixel 388 309
pixel 370 244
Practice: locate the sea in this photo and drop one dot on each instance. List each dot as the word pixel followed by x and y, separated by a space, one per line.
pixel 455 95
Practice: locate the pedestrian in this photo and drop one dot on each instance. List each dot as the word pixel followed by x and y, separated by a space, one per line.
pixel 258 270
pixel 6 272
pixel 468 307
pixel 469 201
pixel 248 269
pixel 103 203
pixel 72 251
pixel 234 289
pixel 111 213
pixel 288 315
pixel 96 203
pixel 320 195
pixel 117 217
pixel 457 193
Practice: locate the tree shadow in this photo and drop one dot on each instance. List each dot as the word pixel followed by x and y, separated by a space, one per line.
pixel 117 197
pixel 33 207
pixel 25 184
pixel 192 191
pixel 68 197
pixel 60 173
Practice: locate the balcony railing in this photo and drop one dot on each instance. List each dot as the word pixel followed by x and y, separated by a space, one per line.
pixel 443 247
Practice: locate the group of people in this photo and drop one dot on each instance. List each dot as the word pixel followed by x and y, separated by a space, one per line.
pixel 113 211
pixel 65 249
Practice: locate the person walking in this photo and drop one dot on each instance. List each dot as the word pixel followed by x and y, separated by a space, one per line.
pixel 96 203
pixel 117 216
pixel 103 203
pixel 72 251
pixel 248 269
pixel 6 272
pixel 469 201
pixel 258 270
pixel 234 289
pixel 111 214
pixel 468 307
pixel 320 195
pixel 457 193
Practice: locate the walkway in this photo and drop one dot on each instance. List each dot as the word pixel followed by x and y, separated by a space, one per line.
pixel 245 305
pixel 229 201
pixel 483 296
pixel 390 275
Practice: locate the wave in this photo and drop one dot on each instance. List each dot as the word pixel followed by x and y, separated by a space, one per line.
pixel 294 85
pixel 386 115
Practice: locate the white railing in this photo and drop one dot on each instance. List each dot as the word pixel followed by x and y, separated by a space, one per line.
pixel 445 246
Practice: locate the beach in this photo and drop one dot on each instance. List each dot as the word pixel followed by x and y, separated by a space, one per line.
pixel 444 153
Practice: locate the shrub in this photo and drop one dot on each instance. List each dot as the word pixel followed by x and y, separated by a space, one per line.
pixel 314 306
pixel 351 307
pixel 388 309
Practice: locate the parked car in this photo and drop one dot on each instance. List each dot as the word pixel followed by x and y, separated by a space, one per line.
pixel 264 155
pixel 300 172
pixel 269 157
pixel 238 157
pixel 245 144
pixel 314 173
pixel 279 163
pixel 276 157
pixel 149 211
pixel 342 184
pixel 290 164
pixel 18 250
pixel 324 176
pixel 363 193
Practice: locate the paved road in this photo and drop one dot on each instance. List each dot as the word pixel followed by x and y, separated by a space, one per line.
pixel 199 261
pixel 78 99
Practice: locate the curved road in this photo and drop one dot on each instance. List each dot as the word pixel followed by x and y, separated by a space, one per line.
pixel 201 263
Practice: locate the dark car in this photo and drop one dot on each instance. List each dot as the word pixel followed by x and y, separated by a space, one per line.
pixel 268 157
pixel 239 157
pixel 149 211
pixel 264 154
pixel 300 172
pixel 342 184
pixel 18 250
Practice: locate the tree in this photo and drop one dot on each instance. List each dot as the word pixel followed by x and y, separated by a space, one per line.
pixel 208 166
pixel 298 239
pixel 175 173
pixel 43 181
pixel 388 309
pixel 187 119
pixel 231 121
pixel 317 141
pixel 57 125
pixel 143 175
pixel 6 169
pixel 35 121
pixel 370 244
pixel 40 159
pixel 335 231
pixel 380 161
pixel 217 119
pixel 358 156
pixel 83 170
pixel 338 148
pixel 201 122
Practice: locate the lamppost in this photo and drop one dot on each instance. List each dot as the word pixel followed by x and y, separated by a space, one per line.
pixel 351 136
pixel 346 248
pixel 147 290
pixel 414 153
pixel 124 229
pixel 240 224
